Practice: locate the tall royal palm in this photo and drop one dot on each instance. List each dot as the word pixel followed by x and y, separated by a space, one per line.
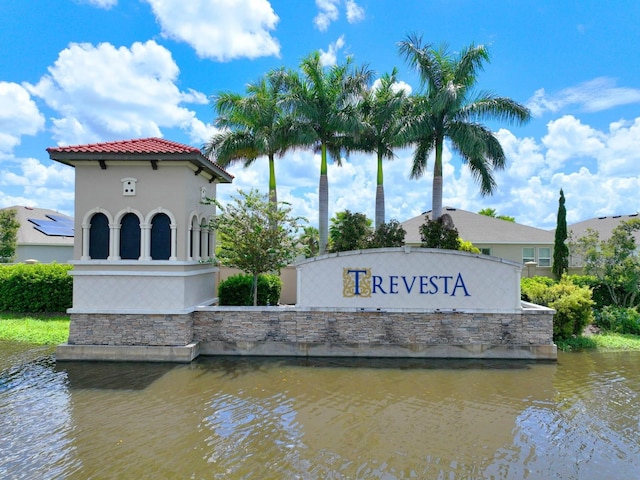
pixel 253 125
pixel 323 101
pixel 448 107
pixel 382 114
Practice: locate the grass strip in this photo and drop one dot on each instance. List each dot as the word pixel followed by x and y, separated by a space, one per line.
pixel 37 330
pixel 606 342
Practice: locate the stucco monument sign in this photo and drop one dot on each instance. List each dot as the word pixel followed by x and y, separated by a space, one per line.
pixel 144 290
pixel 418 278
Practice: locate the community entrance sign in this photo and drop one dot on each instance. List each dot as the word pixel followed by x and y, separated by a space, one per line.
pixel 416 278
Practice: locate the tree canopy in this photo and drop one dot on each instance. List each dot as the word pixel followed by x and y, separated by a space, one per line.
pixel 247 236
pixel 9 226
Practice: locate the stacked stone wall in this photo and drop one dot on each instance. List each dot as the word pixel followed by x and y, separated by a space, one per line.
pixel 130 329
pixel 326 332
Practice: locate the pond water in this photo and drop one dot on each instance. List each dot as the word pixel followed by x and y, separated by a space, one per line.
pixel 278 418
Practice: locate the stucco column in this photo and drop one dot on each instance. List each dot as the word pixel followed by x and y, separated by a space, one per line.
pixel 86 228
pixel 196 243
pixel 174 237
pixel 114 244
pixel 145 239
pixel 204 242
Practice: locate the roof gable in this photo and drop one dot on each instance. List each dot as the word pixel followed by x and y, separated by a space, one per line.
pixel 481 229
pixel 602 225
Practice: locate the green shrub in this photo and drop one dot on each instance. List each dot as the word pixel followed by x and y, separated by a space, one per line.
pixel 236 290
pixel 39 288
pixel 573 304
pixel 534 287
pixel 618 319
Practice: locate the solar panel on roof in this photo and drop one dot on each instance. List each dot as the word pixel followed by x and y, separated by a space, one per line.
pixel 56 227
pixel 60 219
pixel 55 230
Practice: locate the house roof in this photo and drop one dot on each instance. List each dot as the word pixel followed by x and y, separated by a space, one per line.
pixel 481 229
pixel 31 217
pixel 151 149
pixel 603 225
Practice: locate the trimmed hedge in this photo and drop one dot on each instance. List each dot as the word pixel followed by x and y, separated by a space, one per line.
pixel 236 290
pixel 38 288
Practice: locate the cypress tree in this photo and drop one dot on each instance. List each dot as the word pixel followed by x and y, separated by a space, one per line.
pixel 560 249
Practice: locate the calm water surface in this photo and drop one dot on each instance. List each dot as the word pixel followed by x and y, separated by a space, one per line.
pixel 233 418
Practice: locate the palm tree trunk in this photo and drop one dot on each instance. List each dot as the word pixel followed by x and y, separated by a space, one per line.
pixel 436 202
pixel 379 195
pixel 273 195
pixel 323 202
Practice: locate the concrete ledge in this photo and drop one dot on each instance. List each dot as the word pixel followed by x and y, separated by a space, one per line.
pixel 173 354
pixel 525 352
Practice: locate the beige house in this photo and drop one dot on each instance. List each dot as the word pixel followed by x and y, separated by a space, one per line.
pixel 142 239
pixel 496 237
pixel 44 235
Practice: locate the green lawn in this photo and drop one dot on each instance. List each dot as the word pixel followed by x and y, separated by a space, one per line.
pixel 606 342
pixel 39 330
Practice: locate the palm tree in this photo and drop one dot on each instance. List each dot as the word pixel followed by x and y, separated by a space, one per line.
pixel 449 108
pixel 382 112
pixel 323 101
pixel 253 126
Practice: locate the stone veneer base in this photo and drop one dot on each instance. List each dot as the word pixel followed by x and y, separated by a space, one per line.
pixel 291 331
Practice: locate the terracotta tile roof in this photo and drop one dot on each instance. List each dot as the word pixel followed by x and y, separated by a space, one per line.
pixel 141 145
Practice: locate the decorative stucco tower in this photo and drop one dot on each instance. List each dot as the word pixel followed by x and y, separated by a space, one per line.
pixel 142 243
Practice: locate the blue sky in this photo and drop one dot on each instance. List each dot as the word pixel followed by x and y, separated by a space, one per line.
pixel 85 71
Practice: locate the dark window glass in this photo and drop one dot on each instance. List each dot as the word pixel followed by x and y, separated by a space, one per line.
pixel 130 237
pixel 99 237
pixel 160 237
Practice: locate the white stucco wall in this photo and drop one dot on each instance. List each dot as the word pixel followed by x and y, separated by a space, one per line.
pixel 410 278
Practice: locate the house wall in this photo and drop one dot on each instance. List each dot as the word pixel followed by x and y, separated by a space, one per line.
pixel 44 253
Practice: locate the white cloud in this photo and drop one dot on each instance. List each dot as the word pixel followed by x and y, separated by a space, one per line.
pixel 220 29
pixel 106 4
pixel 330 57
pixel 47 186
pixel 355 12
pixel 328 12
pixel 103 92
pixel 19 116
pixel 593 96
pixel 569 138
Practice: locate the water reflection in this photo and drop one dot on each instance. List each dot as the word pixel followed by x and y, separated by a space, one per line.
pixel 243 418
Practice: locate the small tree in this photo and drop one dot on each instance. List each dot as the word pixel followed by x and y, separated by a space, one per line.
pixel 310 241
pixel 560 248
pixel 349 231
pixel 614 261
pixel 254 236
pixel 439 233
pixel 390 234
pixel 9 226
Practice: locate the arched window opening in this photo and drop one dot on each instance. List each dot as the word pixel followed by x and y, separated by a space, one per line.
pixel 130 237
pixel 99 237
pixel 160 237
